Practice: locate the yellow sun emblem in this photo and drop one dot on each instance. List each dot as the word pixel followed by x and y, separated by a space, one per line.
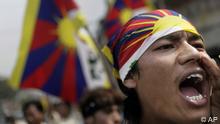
pixel 66 32
pixel 125 15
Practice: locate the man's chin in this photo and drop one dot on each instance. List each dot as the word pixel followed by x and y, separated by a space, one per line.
pixel 191 113
pixel 192 120
pixel 195 117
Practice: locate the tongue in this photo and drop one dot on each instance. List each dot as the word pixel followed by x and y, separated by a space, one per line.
pixel 189 91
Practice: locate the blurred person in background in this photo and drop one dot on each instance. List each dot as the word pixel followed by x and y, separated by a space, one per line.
pixel 8 110
pixel 162 66
pixel 33 112
pixel 64 109
pixel 62 114
pixel 101 106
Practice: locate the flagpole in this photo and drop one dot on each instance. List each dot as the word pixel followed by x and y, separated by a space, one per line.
pixel 107 66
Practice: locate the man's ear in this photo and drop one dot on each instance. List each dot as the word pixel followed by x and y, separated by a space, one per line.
pixel 130 83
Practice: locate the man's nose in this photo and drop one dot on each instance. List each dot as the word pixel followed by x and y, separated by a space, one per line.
pixel 188 53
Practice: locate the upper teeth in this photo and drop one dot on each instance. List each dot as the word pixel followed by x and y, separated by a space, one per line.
pixel 199 76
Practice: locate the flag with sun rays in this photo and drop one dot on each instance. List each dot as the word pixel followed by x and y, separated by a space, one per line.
pixel 122 11
pixel 57 54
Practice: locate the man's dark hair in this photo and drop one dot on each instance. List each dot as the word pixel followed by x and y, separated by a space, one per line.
pixel 35 103
pixel 133 72
pixel 132 106
pixel 10 120
pixel 99 99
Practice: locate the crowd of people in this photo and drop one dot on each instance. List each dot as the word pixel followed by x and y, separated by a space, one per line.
pixel 163 70
pixel 97 106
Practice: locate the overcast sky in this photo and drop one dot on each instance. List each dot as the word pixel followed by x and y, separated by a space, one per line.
pixel 11 19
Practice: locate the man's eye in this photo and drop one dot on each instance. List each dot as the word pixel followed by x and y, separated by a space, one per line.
pixel 165 47
pixel 199 46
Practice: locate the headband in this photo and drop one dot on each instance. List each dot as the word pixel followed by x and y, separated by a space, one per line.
pixel 138 34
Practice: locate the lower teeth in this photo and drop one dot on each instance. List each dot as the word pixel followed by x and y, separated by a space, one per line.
pixel 194 98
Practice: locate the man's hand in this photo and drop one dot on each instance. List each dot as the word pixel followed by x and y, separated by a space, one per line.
pixel 213 72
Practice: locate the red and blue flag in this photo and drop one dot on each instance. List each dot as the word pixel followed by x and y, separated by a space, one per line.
pixel 121 12
pixel 49 56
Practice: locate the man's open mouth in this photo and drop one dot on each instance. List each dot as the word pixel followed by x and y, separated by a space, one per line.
pixel 194 88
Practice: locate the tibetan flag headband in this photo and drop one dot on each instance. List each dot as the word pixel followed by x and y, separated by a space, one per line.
pixel 138 34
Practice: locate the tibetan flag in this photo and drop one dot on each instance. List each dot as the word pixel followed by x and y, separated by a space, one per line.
pixel 121 12
pixel 57 54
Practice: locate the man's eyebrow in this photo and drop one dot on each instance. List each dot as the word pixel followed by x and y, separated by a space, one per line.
pixel 193 37
pixel 173 37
